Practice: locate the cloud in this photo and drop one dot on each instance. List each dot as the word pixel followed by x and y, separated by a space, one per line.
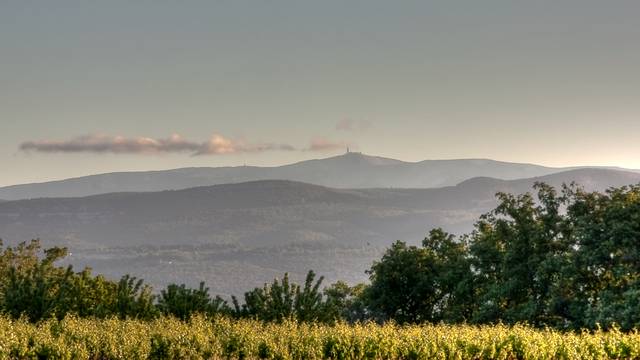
pixel 219 145
pixel 351 125
pixel 99 143
pixel 322 144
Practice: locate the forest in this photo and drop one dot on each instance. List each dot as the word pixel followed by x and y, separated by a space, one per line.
pixel 562 258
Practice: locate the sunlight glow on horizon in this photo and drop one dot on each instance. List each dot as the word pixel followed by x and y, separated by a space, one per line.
pixel 553 84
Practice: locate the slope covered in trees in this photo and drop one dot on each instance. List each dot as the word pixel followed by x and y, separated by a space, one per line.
pixel 238 236
pixel 351 170
pixel 565 258
pixel 568 259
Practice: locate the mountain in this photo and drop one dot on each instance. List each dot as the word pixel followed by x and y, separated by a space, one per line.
pixel 236 236
pixel 351 170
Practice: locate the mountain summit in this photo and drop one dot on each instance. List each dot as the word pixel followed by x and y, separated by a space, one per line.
pixel 350 170
pixel 237 236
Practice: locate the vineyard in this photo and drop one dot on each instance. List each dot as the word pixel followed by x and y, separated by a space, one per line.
pixel 223 338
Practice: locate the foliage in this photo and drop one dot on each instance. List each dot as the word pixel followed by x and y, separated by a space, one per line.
pixel 203 338
pixel 417 284
pixel 284 300
pixel 183 302
pixel 134 299
pixel 568 260
pixel 519 252
pixel 343 302
pixel 33 286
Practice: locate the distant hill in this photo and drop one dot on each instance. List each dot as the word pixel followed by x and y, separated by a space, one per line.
pixel 235 236
pixel 589 178
pixel 351 170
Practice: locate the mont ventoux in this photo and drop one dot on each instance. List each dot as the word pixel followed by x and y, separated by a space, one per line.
pixel 238 227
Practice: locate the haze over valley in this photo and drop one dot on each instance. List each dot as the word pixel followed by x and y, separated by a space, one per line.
pixel 351 170
pixel 240 234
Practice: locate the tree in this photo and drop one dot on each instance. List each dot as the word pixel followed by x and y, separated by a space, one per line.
pixel 343 302
pixel 518 251
pixel 605 272
pixel 403 285
pixel 283 300
pixel 308 304
pixel 32 285
pixel 454 278
pixel 134 299
pixel 428 283
pixel 182 302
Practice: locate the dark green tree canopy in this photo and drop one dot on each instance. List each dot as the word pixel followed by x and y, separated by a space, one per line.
pixel 568 259
pixel 565 258
pixel 32 285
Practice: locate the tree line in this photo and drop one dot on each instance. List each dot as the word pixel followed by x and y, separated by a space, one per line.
pixel 34 287
pixel 564 258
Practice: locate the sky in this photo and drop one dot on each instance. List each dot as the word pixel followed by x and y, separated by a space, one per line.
pixel 92 87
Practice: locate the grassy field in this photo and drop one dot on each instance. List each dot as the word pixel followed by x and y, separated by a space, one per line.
pixel 167 338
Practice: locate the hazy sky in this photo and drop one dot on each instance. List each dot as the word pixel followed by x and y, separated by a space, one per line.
pixel 89 87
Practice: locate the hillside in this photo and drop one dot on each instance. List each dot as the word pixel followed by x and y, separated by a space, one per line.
pixel 238 235
pixel 351 170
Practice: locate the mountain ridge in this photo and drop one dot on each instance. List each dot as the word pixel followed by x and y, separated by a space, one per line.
pixel 350 170
pixel 215 233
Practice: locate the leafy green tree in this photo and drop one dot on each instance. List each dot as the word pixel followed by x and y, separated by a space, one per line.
pixel 343 302
pixel 284 300
pixel 182 302
pixel 87 295
pixel 454 278
pixel 272 302
pixel 605 276
pixel 518 252
pixel 134 299
pixel 32 285
pixel 308 304
pixel 403 285
pixel 429 283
